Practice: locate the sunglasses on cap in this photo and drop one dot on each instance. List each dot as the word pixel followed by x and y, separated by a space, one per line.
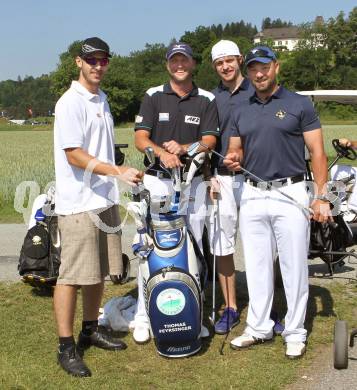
pixel 94 61
pixel 260 53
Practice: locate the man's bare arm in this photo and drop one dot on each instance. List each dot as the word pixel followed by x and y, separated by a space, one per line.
pixel 314 142
pixel 234 154
pixel 83 160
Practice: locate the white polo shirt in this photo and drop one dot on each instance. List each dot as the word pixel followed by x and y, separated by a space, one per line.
pixel 83 119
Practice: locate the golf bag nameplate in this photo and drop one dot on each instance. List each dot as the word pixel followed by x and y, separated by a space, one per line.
pixel 174 308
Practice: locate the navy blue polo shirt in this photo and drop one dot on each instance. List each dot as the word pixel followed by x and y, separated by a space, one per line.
pixel 226 103
pixel 272 133
pixel 167 116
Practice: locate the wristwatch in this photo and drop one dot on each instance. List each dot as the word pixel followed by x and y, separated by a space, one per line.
pixel 324 198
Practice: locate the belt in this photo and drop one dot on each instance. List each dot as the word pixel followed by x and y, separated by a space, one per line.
pixel 165 175
pixel 157 173
pixel 223 171
pixel 276 183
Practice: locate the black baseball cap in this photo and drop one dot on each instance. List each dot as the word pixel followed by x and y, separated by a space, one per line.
pixel 180 47
pixel 263 54
pixel 91 45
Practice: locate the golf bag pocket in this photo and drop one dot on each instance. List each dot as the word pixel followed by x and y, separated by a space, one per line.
pixel 35 250
pixel 175 310
pixel 167 240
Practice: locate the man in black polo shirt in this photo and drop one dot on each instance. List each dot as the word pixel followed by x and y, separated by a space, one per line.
pixel 270 131
pixel 171 118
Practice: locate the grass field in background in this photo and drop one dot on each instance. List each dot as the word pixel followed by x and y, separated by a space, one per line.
pixel 26 154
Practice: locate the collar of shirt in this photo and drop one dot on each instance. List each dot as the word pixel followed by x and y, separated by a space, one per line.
pixel 77 86
pixel 278 94
pixel 244 86
pixel 168 90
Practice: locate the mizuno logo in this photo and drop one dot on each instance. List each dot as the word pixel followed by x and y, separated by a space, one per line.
pixel 168 235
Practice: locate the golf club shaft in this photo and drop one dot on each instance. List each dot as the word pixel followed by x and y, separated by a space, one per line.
pixel 213 315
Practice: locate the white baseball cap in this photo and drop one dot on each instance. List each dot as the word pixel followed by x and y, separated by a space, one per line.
pixel 224 48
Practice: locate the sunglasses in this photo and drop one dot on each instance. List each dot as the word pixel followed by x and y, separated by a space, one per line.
pixel 94 61
pixel 260 53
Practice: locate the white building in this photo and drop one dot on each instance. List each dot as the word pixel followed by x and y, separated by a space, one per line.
pixel 283 37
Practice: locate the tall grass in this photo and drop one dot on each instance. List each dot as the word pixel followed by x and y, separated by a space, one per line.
pixel 28 155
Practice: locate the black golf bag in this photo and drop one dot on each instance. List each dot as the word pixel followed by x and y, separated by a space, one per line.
pixel 40 255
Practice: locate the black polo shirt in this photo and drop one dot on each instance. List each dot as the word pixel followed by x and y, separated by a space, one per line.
pixel 272 133
pixel 185 120
pixel 226 102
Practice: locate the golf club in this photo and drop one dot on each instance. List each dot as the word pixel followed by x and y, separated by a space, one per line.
pixel 212 318
pixel 192 149
pixel 196 164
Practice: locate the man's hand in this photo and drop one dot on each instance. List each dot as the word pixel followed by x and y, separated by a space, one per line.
pixel 129 175
pixel 174 148
pixel 170 160
pixel 232 161
pixel 322 211
pixel 345 142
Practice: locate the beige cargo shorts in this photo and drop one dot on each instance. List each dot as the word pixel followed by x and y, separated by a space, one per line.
pixel 87 249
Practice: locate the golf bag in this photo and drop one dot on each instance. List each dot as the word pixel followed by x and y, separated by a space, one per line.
pixel 174 273
pixel 41 251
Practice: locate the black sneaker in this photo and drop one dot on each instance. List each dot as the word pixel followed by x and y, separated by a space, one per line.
pixel 72 363
pixel 99 339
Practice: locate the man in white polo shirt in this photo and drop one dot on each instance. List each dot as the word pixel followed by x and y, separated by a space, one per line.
pixel 85 190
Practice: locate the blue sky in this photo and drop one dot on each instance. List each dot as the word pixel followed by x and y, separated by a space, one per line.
pixel 34 32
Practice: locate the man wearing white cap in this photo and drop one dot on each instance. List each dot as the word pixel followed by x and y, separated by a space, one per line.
pixel 231 91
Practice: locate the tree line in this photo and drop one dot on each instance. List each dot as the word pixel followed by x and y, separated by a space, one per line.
pixel 325 58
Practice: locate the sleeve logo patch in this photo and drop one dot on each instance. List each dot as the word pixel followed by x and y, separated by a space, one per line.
pixel 195 120
pixel 164 116
pixel 138 119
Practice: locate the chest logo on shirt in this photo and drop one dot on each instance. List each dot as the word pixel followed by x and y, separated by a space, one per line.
pixel 281 114
pixel 164 116
pixel 195 120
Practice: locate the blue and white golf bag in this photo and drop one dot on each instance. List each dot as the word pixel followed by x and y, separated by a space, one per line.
pixel 174 273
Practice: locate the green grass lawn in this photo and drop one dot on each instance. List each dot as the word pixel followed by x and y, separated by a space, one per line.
pixel 27 155
pixel 28 347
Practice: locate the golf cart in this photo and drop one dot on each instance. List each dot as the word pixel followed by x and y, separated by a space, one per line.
pixel 343 231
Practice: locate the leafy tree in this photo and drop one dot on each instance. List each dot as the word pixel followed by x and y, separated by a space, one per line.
pixel 275 23
pixel 66 71
pixel 199 40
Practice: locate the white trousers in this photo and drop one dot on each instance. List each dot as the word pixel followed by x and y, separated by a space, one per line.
pixel 339 172
pixel 194 206
pixel 223 240
pixel 271 224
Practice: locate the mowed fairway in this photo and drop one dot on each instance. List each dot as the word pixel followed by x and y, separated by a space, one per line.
pixel 27 155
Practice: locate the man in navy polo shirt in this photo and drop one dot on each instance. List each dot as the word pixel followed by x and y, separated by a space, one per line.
pixel 269 133
pixel 172 117
pixel 231 91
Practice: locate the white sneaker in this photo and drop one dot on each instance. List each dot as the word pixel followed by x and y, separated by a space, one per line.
pixel 141 334
pixel 246 340
pixel 295 349
pixel 204 332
